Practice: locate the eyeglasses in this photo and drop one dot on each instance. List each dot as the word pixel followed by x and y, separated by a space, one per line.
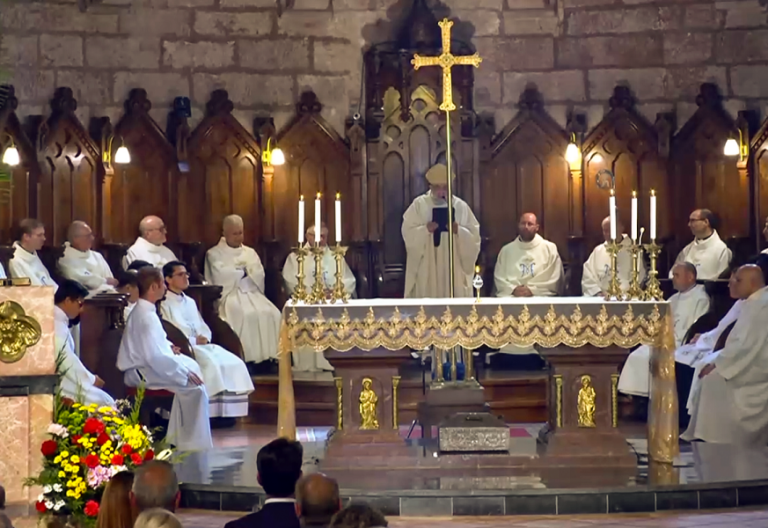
pixel 181 274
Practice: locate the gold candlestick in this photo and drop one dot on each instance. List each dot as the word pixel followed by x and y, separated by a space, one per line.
pixel 318 290
pixel 634 292
pixel 300 291
pixel 653 290
pixel 339 293
pixel 477 283
pixel 614 288
pixel 439 380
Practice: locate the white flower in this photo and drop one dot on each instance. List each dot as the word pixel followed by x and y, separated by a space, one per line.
pixel 49 504
pixel 59 505
pixel 58 430
pixel 47 489
pixel 40 498
pixel 164 455
pixel 57 488
pixel 114 470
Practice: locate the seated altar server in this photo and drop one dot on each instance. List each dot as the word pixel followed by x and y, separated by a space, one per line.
pixel 238 270
pixel 147 356
pixel 688 304
pixel 128 284
pixel 25 262
pixel 597 269
pixel 77 383
pixel 731 403
pixel 226 376
pixel 707 252
pixel 425 232
pixel 80 263
pixel 150 246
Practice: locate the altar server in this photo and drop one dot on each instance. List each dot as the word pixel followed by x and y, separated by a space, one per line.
pixel 238 270
pixel 128 285
pixel 80 263
pixel 226 376
pixel 25 262
pixel 731 406
pixel 76 383
pixel 147 355
pixel 707 252
pixel 688 304
pixel 150 246
pixel 597 269
pixel 427 267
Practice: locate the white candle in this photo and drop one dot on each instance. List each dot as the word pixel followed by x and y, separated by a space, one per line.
pixel 612 207
pixel 653 214
pixel 318 227
pixel 301 220
pixel 634 216
pixel 338 218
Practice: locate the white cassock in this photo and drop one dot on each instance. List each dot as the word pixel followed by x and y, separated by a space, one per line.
pixel 225 375
pixel 127 310
pixel 686 308
pixel 305 359
pixel 158 256
pixel 710 256
pixel 426 269
pixel 597 269
pixel 89 268
pixel 77 383
pixel 255 320
pixel 535 264
pixel 732 402
pixel 146 355
pixel 29 265
pixel 2 272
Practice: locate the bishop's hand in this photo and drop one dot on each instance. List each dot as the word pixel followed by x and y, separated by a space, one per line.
pixel 194 379
pixel 201 340
pixel 706 370
pixel 455 228
pixel 432 227
pixel 176 350
pixel 522 291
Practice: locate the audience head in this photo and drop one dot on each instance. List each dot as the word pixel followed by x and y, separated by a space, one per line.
pixel 746 280
pixel 31 234
pixel 606 227
pixel 151 284
pixel 232 229
pixel 279 467
pixel 323 235
pixel 157 518
pixel 527 227
pixel 176 276
pixel 317 499
pixel 702 222
pixel 115 508
pixel 152 229
pixel 128 284
pixel 155 486
pixel 80 235
pixel 136 265
pixel 70 298
pixel 358 516
pixel 437 176
pixel 684 276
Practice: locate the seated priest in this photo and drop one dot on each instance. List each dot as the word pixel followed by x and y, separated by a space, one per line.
pixel 25 262
pixel 238 270
pixel 306 359
pixel 226 376
pixel 150 246
pixel 730 403
pixel 425 232
pixel 146 356
pixel 707 252
pixel 80 263
pixel 597 269
pixel 76 383
pixel 688 304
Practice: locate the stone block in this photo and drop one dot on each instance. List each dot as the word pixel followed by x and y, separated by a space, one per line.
pixel 684 83
pixel 284 54
pixel 18 50
pixel 742 14
pixel 156 22
pixel 33 85
pixel 749 81
pixel 43 17
pixel 619 50
pixel 624 20
pixel 540 22
pixel 247 3
pixel 740 46
pixel 131 52
pixel 573 4
pixel 234 24
pixel 357 26
pixel 332 93
pixel 317 5
pixel 703 16
pixel 245 89
pixel 305 24
pixel 61 50
pixel 191 3
pixel 487 88
pixel 485 23
pixel 650 110
pixel 352 5
pixel 526 4
pixel 557 86
pixel 211 55
pixel 516 54
pixel 687 48
pixel 645 83
pixel 336 57
pixel 162 88
pixel 454 5
pixel 88 87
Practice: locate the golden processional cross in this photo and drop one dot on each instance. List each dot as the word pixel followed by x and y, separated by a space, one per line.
pixel 446 61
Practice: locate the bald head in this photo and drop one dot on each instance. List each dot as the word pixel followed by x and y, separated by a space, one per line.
pixel 527 227
pixel 80 235
pixel 606 226
pixel 155 486
pixel 232 229
pixel 152 229
pixel 317 499
pixel 683 276
pixel 747 280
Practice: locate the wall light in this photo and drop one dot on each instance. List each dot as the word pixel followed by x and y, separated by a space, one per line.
pixel 122 155
pixel 272 155
pixel 11 155
pixel 733 148
pixel 572 152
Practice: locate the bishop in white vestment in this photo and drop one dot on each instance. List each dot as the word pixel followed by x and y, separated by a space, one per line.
pixel 150 246
pixel 80 263
pixel 427 269
pixel 238 270
pixel 707 252
pixel 597 269
pixel 226 376
pixel 25 262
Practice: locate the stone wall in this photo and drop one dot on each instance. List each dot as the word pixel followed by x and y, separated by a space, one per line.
pixel 265 55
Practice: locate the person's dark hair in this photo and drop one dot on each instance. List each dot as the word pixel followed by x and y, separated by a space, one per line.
pixel 689 267
pixel 147 277
pixel 317 497
pixel 69 289
pixel 279 467
pixel 170 268
pixel 27 226
pixel 710 217
pixel 127 278
pixel 155 486
pixel 358 516
pixel 136 265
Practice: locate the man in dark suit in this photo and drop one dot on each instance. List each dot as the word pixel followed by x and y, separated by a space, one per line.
pixel 279 468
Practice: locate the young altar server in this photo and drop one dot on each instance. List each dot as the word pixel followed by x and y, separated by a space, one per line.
pixel 425 232
pixel 80 263
pixel 147 355
pixel 707 252
pixel 76 383
pixel 150 246
pixel 226 376
pixel 688 304
pixel 597 269
pixel 25 262
pixel 238 270
pixel 730 405
pixel 128 284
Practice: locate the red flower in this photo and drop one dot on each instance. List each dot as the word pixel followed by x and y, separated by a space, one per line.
pixel 149 455
pixel 93 426
pixel 92 460
pixel 136 459
pixel 49 448
pixel 91 508
pixel 40 506
pixel 102 439
pixel 75 438
pixel 126 449
pixel 117 460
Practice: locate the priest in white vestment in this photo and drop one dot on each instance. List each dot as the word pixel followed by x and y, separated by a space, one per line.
pixel 147 356
pixel 238 270
pixel 150 246
pixel 77 382
pixel 226 376
pixel 731 404
pixel 25 262
pixel 688 304
pixel 596 274
pixel 427 269
pixel 80 263
pixel 707 252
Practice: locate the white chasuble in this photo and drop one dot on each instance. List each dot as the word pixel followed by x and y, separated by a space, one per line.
pixel 76 382
pixel 710 256
pixel 686 308
pixel 29 265
pixel 89 268
pixel 225 375
pixel 146 355
pixel 243 305
pixel 427 267
pixel 597 269
pixel 158 256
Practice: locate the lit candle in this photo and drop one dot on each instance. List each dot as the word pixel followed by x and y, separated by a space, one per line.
pixel 338 218
pixel 612 207
pixel 477 270
pixel 634 216
pixel 653 214
pixel 301 220
pixel 318 227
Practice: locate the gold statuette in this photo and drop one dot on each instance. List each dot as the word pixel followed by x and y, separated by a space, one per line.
pixel 395 385
pixel 368 402
pixel 300 292
pixel 586 403
pixel 339 294
pixel 317 296
pixel 614 288
pixel 18 332
pixel 339 403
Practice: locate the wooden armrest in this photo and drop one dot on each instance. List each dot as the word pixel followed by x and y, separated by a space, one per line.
pixel 224 336
pixel 178 338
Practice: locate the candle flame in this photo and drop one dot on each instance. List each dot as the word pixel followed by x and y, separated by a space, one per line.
pixel 653 193
pixel 301 198
pixel 477 269
pixel 318 196
pixel 634 194
pixel 613 192
pixel 338 196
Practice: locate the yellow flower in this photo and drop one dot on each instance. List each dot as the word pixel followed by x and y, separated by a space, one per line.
pixel 105 409
pixel 118 421
pixel 57 459
pixel 75 459
pixel 65 454
pixel 62 475
pixel 70 493
pixel 76 405
pixel 74 469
